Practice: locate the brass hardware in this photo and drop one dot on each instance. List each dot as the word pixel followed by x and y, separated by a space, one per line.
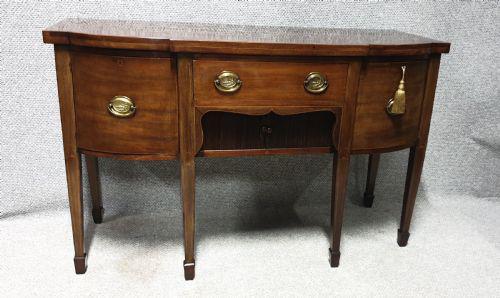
pixel 266 130
pixel 227 82
pixel 397 104
pixel 121 106
pixel 315 83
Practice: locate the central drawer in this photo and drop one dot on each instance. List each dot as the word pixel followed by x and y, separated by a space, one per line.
pixel 276 83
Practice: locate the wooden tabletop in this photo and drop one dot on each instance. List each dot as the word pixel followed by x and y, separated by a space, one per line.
pixel 239 39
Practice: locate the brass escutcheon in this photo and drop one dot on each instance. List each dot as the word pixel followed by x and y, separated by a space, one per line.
pixel 227 82
pixel 315 83
pixel 121 106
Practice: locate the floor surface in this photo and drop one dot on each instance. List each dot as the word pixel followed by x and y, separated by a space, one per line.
pixel 454 250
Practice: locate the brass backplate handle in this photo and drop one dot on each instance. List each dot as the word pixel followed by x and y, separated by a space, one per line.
pixel 227 82
pixel 121 106
pixel 315 82
pixel 397 104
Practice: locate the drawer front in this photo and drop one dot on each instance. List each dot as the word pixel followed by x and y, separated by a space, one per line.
pixel 268 83
pixel 374 128
pixel 150 83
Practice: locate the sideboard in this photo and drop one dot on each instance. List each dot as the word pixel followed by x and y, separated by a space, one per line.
pixel 156 91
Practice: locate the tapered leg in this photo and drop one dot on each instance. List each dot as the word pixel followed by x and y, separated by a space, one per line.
pixel 415 164
pixel 187 153
pixel 74 178
pixel 188 203
pixel 341 161
pixel 95 188
pixel 71 156
pixel 368 197
pixel 339 184
pixel 417 153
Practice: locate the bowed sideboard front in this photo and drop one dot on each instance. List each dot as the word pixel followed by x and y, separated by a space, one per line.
pixel 133 91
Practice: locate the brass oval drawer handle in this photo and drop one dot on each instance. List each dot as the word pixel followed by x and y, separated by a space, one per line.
pixel 121 106
pixel 227 82
pixel 315 83
pixel 397 104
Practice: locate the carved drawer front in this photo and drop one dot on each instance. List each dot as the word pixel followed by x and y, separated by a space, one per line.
pixel 233 83
pixel 389 104
pixel 125 105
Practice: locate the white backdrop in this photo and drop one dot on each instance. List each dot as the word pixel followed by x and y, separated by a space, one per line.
pixel 463 153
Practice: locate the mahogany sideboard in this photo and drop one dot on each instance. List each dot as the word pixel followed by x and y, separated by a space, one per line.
pixel 155 91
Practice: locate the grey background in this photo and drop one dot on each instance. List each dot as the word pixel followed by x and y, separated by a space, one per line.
pixel 463 156
pixel 262 223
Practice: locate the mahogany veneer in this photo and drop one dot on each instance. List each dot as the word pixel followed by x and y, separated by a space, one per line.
pixel 151 82
pixel 262 80
pixel 373 127
pixel 150 91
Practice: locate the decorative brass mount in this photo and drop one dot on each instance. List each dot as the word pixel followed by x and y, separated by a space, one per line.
pixel 397 104
pixel 121 106
pixel 227 82
pixel 315 83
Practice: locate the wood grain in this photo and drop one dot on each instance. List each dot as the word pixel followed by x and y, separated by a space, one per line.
pixel 229 131
pixel 239 39
pixel 417 153
pixel 341 160
pixel 374 128
pixel 168 70
pixel 129 156
pixel 187 153
pixel 95 188
pixel 373 161
pixel 261 111
pixel 258 152
pixel 268 83
pixel 149 82
pixel 71 156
